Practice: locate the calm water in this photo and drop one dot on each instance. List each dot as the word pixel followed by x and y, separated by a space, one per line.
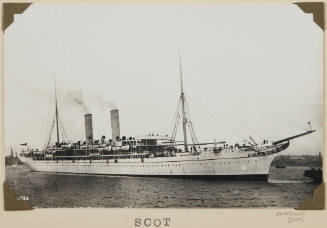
pixel 285 188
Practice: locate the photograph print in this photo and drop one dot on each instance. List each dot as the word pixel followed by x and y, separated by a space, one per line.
pixel 163 106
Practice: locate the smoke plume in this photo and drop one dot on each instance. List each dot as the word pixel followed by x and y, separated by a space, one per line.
pixel 77 99
pixel 104 102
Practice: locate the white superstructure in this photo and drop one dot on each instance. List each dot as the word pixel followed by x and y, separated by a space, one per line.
pixel 227 164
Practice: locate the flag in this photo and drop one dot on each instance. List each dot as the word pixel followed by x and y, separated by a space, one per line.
pixel 23 144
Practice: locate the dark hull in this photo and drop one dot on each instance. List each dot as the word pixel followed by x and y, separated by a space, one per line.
pixel 257 177
pixel 246 177
pixel 315 174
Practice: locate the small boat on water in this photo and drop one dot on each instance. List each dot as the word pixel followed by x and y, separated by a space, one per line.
pixel 12 159
pixel 282 166
pixel 315 174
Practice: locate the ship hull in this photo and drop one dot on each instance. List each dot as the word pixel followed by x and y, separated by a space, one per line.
pixel 245 168
pixel 240 177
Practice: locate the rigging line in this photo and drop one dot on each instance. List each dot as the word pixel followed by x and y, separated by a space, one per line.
pixel 61 122
pixel 50 131
pixel 296 123
pixel 232 130
pixel 209 125
pixel 49 116
pixel 289 123
pixel 177 116
pixel 172 123
pixel 47 145
pixel 200 118
pixel 211 131
pixel 173 136
pixel 64 134
pixel 177 126
pixel 220 122
pixel 61 128
pixel 189 118
pixel 175 119
pixel 62 131
pixel 194 137
pixel 73 130
pixel 189 128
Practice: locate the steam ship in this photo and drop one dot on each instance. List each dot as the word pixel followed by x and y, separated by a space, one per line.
pixel 156 155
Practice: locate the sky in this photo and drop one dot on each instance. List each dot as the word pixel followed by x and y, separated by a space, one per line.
pixel 248 70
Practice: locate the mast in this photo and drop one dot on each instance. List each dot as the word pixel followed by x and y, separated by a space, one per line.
pixel 57 125
pixel 183 104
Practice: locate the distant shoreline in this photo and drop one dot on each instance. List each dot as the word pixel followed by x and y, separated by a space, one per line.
pixel 10 160
pixel 305 160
